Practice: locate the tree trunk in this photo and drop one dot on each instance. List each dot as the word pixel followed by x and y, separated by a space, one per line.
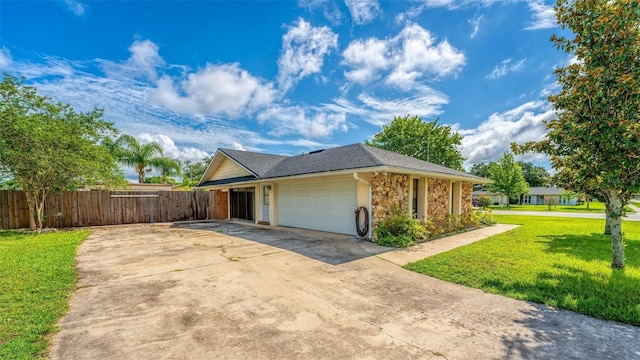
pixel 614 209
pixel 40 214
pixel 607 224
pixel 36 209
pixel 32 210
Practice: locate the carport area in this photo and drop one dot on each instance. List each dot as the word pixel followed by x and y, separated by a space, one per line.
pixel 231 290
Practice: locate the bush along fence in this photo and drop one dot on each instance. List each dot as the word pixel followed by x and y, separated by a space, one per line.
pixel 95 208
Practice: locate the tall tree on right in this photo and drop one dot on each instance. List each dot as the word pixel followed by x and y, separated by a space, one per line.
pixel 598 106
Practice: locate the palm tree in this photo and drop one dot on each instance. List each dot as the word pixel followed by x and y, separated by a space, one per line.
pixel 167 167
pixel 132 153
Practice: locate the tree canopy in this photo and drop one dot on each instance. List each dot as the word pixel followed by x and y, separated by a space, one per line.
pixel 142 157
pixel 535 176
pixel 193 171
pixel 48 146
pixel 595 135
pixel 428 141
pixel 507 177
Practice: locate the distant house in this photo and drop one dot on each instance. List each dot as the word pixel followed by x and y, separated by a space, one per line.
pixel 537 195
pixel 497 199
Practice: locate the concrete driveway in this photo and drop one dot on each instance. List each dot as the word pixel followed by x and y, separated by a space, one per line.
pixel 225 290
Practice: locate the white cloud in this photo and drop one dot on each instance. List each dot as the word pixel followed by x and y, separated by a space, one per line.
pixel 494 136
pixel 426 102
pixel 475 23
pixel 329 9
pixel 544 16
pixel 145 57
pixel 5 58
pixel 303 50
pixel 363 11
pixel 308 122
pixel 217 89
pixel 75 7
pixel 143 62
pixel 170 149
pixel 238 146
pixel 409 56
pixel 505 67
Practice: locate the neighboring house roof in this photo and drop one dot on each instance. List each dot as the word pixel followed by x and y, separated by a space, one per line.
pixel 483 192
pixel 355 156
pixel 532 191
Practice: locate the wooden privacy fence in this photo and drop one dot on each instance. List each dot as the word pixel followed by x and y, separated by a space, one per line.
pixel 94 208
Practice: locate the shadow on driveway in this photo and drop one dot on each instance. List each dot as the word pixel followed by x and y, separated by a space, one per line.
pixel 330 248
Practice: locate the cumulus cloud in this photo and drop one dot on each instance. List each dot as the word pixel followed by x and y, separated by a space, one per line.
pixel 238 146
pixel 217 89
pixel 505 67
pixel 75 7
pixel 363 11
pixel 143 63
pixel 303 50
pixel 170 149
pixel 308 122
pixel 5 58
pixel 402 60
pixel 544 16
pixel 494 136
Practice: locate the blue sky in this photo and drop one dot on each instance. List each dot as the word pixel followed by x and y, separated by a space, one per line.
pixel 288 77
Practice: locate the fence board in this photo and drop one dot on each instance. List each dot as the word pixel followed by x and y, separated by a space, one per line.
pixel 90 208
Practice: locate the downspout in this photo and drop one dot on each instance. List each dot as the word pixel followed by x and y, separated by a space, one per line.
pixel 355 176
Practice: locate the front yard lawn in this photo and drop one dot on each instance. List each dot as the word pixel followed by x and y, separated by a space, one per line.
pixel 594 207
pixel 37 274
pixel 560 262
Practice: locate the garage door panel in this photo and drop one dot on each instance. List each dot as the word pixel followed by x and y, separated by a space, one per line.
pixel 326 205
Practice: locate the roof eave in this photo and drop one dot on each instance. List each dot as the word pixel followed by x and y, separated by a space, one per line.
pixel 380 168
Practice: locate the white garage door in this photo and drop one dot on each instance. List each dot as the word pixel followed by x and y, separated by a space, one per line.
pixel 326 205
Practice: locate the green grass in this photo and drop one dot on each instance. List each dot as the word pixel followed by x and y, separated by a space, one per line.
pixel 37 274
pixel 560 262
pixel 594 207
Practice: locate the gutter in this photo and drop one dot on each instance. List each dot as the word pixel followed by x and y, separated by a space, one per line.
pixel 355 176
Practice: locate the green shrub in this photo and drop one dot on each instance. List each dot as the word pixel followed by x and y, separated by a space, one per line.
pixel 484 201
pixel 459 222
pixel 400 230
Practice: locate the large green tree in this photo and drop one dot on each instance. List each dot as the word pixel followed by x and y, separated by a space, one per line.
pixel 142 157
pixel 193 171
pixel 47 146
pixel 598 106
pixel 506 177
pixel 535 176
pixel 481 169
pixel 428 141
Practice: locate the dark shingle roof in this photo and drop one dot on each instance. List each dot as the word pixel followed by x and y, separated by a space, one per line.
pixel 256 163
pixel 545 191
pixel 394 159
pixel 354 157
